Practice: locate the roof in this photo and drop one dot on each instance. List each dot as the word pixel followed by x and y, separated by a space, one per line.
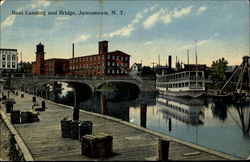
pixel 7 49
pixel 113 52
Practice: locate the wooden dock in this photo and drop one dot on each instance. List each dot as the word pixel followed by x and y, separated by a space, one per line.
pixel 43 139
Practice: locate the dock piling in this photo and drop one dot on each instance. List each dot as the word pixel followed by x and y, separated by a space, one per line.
pixel 163 149
pixel 143 112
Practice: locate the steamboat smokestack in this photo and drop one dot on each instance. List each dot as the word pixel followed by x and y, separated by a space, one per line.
pixel 170 62
pixel 73 50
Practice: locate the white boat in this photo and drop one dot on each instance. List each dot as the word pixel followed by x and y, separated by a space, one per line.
pixel 189 82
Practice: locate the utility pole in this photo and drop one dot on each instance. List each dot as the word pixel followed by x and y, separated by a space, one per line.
pixel 153 64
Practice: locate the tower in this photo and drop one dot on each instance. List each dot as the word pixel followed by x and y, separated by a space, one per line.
pixel 103 47
pixel 40 58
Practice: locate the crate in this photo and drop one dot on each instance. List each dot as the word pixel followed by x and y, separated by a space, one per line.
pixel 74 130
pixel 85 127
pixel 15 117
pixel 27 117
pixel 97 145
pixel 65 128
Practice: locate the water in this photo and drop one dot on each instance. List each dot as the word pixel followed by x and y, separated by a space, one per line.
pixel 220 125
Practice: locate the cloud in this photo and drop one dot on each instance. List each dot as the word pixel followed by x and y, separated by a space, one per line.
pixel 37 4
pixel 1 2
pixel 82 38
pixel 182 12
pixel 152 19
pixel 125 31
pixel 201 42
pixel 9 21
pixel 165 16
pixel 190 46
pixel 63 18
pixel 149 43
pixel 201 9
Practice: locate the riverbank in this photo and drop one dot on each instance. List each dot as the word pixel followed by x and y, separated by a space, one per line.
pixel 130 142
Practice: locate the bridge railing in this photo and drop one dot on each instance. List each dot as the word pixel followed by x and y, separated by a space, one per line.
pixel 84 77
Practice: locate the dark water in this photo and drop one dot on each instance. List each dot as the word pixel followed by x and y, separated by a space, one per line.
pixel 220 125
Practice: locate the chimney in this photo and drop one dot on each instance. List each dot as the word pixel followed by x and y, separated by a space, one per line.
pixel 73 50
pixel 170 62
pixel 103 47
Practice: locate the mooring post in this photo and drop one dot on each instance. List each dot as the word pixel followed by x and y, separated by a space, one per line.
pixel 76 109
pixel 104 107
pixel 169 124
pixel 163 149
pixel 8 94
pixel 143 112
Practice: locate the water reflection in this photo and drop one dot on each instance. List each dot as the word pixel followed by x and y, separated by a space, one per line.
pixel 185 110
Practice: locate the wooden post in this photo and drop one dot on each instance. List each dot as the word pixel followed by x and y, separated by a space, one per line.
pixel 143 110
pixel 8 94
pixel 104 107
pixel 169 124
pixel 76 109
pixel 163 149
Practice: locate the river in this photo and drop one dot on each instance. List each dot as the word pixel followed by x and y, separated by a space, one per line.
pixel 221 125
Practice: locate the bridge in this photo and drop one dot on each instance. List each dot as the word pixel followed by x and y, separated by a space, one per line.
pixel 30 83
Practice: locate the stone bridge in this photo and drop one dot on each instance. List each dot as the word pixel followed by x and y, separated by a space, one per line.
pixel 31 82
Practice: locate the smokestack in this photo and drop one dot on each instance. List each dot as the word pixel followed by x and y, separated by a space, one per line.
pixel 187 56
pixel 159 60
pixel 73 50
pixel 170 62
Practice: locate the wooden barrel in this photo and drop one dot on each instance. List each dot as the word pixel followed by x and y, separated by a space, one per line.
pixel 74 129
pixel 65 128
pixel 85 127
pixel 15 117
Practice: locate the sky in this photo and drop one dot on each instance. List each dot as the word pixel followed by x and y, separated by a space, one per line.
pixel 146 30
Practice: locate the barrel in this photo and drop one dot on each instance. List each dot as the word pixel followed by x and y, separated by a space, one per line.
pixel 85 127
pixel 15 116
pixel 43 104
pixel 26 117
pixel 65 127
pixel 9 107
pixel 22 95
pixel 34 99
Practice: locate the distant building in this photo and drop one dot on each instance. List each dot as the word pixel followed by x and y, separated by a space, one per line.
pixel 8 60
pixel 102 64
pixel 135 69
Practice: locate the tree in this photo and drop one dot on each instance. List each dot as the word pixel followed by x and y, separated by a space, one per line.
pixel 218 69
pixel 25 67
pixel 146 70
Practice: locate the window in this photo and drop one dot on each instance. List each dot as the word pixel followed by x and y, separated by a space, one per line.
pixel 126 58
pixel 13 64
pixel 13 57
pixel 113 71
pixel 113 64
pixel 113 57
pixel 121 58
pixel 4 57
pixel 3 64
pixel 108 56
pixel 117 57
pixel 108 71
pixel 108 63
pixel 117 71
pixel 8 64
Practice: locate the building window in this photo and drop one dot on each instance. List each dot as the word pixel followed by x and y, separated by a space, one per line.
pixel 4 57
pixel 113 71
pixel 117 71
pixel 126 58
pixel 108 63
pixel 8 57
pixel 13 57
pixel 3 64
pixel 103 57
pixel 108 56
pixel 117 57
pixel 121 58
pixel 8 64
pixel 108 71
pixel 113 57
pixel 113 64
pixel 13 65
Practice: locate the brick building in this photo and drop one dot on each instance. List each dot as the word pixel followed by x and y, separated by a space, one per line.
pixel 102 64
